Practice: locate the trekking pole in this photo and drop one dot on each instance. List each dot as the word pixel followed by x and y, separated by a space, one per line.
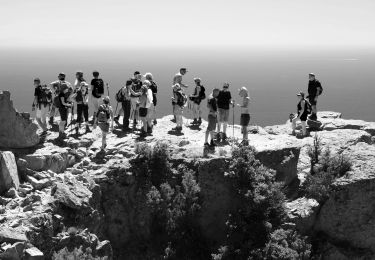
pixel 233 124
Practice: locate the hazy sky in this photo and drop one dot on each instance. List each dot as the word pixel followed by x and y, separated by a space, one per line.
pixel 115 23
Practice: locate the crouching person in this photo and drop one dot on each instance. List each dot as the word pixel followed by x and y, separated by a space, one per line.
pixel 212 117
pixel 103 118
pixel 302 113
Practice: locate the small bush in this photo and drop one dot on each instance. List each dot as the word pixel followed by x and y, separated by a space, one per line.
pixel 261 206
pixel 325 169
pixel 76 254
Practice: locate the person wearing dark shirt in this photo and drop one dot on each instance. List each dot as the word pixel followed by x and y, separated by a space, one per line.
pixel 81 97
pixel 314 90
pixel 56 87
pixel 212 117
pixel 97 91
pixel 197 97
pixel 64 106
pixel 224 100
pixel 42 103
pixel 301 114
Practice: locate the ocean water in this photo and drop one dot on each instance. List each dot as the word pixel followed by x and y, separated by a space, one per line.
pixel 273 76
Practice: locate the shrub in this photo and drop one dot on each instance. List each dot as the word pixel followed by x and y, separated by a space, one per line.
pixel 260 206
pixel 76 254
pixel 285 244
pixel 325 169
pixel 175 212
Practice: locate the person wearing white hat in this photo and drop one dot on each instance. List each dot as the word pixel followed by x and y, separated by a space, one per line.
pixel 178 101
pixel 197 97
pixel 177 79
pixel 154 88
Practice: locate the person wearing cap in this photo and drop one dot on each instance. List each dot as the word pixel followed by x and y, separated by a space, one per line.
pixel 245 114
pixel 42 103
pixel 154 88
pixel 302 114
pixel 212 117
pixel 58 86
pixel 314 90
pixel 224 100
pixel 64 106
pixel 177 79
pixel 104 119
pixel 81 97
pixel 197 97
pixel 97 91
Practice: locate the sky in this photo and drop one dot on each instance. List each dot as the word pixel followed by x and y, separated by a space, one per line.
pixel 193 23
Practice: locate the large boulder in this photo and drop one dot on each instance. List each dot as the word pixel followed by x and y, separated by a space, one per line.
pixel 8 172
pixel 16 130
pixel 347 217
pixel 48 158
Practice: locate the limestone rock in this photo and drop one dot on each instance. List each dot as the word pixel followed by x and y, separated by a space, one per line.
pixel 11 235
pixel 39 184
pixel 347 216
pixel 55 159
pixel 16 130
pixel 33 253
pixel 73 195
pixel 303 213
pixel 8 172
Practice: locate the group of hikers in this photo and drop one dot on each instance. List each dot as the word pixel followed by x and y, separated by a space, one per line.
pixel 138 99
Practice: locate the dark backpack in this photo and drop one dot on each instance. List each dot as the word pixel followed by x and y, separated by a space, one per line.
pixel 98 88
pixel 80 97
pixel 103 114
pixel 45 95
pixel 120 96
pixel 308 106
pixel 181 98
pixel 154 87
pixel 319 89
pixel 202 94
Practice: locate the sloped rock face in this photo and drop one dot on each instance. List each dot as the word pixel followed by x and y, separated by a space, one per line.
pixel 347 218
pixel 8 172
pixel 16 130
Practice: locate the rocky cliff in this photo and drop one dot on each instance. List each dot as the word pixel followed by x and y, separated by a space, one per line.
pixel 73 195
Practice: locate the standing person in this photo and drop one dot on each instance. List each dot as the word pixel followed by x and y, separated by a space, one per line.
pixel 42 102
pixel 245 114
pixel 65 104
pixel 97 91
pixel 104 118
pixel 145 101
pixel 57 86
pixel 135 88
pixel 154 88
pixel 197 97
pixel 177 79
pixel 212 117
pixel 123 96
pixel 82 99
pixel 314 90
pixel 302 112
pixel 179 100
pixel 224 100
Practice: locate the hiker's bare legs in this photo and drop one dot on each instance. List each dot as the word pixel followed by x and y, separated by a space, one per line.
pixel 303 124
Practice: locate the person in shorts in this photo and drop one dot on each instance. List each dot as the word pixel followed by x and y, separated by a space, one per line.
pixel 65 105
pixel 224 100
pixel 144 105
pixel 97 91
pixel 196 98
pixel 104 118
pixel 302 114
pixel 212 117
pixel 314 90
pixel 57 86
pixel 245 114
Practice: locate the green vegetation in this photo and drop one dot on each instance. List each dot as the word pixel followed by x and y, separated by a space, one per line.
pixel 76 254
pixel 325 169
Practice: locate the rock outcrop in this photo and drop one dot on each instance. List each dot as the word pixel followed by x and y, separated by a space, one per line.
pixel 17 130
pixel 76 196
pixel 8 172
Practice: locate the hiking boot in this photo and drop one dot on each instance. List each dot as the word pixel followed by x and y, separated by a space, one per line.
pixel 61 136
pixel 224 137
pixel 200 121
pixel 50 120
pixel 143 133
pixel 218 137
pixel 77 130
pixel 88 129
pixel 313 117
pixel 195 121
pixel 44 134
pixel 206 144
pixel 155 122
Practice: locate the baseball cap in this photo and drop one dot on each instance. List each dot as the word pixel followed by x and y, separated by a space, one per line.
pixel 185 69
pixel 311 74
pixel 62 74
pixel 136 73
pixel 37 80
pixel 106 99
pixel 226 85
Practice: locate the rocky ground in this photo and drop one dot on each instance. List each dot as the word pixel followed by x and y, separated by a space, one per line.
pixel 68 195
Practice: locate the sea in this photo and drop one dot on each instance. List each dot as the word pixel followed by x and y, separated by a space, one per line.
pixel 273 76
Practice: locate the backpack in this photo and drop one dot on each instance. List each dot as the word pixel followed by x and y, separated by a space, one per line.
pixel 319 89
pixel 98 88
pixel 103 114
pixel 80 97
pixel 181 98
pixel 202 94
pixel 45 95
pixel 154 87
pixel 120 97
